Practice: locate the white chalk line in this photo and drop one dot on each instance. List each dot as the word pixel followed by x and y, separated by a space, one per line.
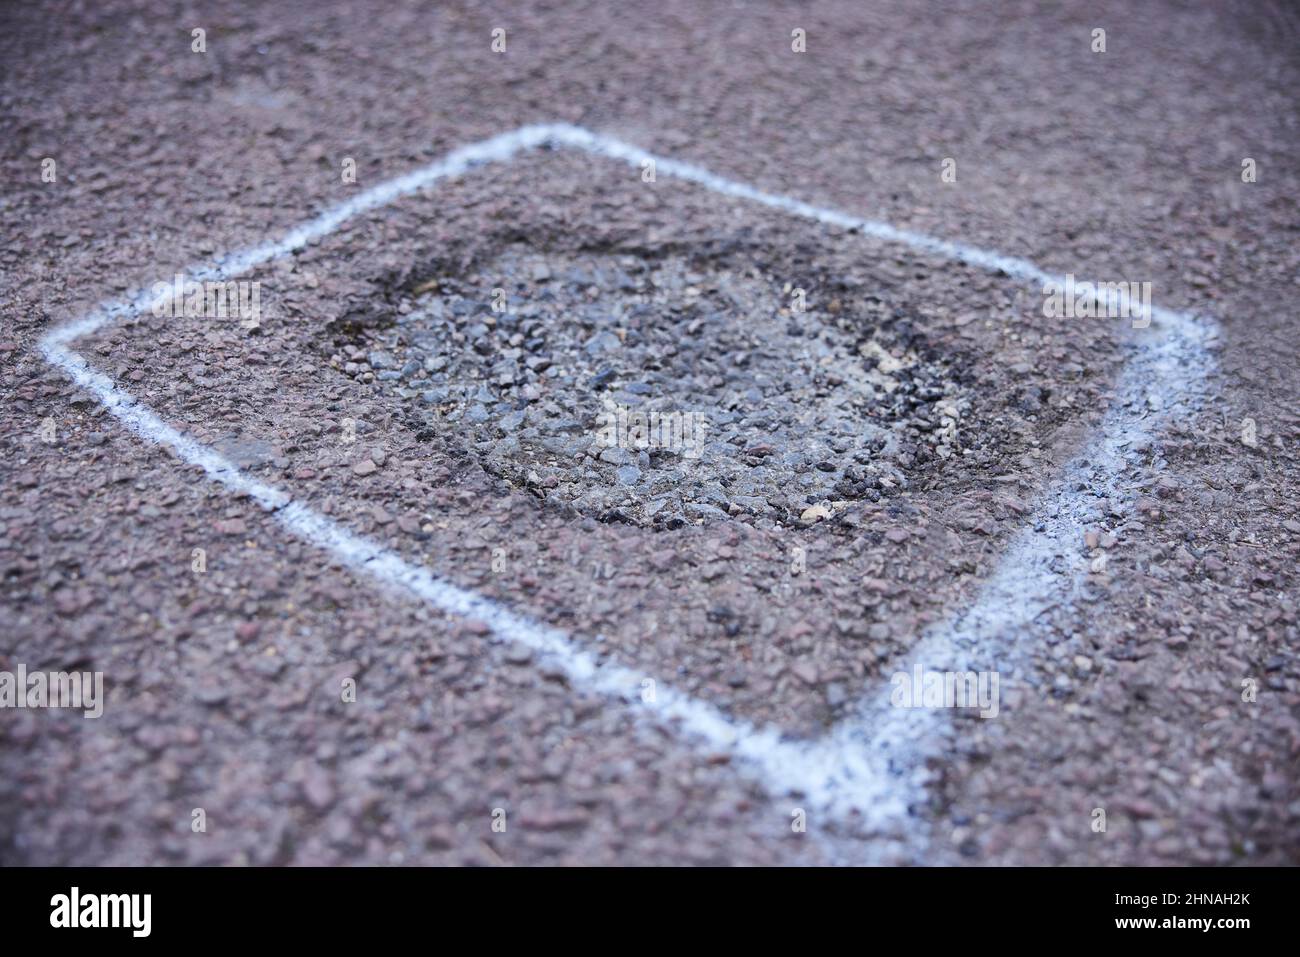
pixel 870 766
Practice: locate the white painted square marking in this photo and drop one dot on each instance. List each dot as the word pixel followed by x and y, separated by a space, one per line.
pixel 872 763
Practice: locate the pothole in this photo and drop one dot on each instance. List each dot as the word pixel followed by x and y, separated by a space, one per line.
pixel 656 391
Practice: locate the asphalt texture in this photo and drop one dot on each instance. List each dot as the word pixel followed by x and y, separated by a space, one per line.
pixel 877 425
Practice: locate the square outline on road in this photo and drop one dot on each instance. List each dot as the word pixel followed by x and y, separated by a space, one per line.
pixel 869 767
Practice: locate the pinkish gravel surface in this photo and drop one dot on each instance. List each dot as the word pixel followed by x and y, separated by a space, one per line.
pixel 867 462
